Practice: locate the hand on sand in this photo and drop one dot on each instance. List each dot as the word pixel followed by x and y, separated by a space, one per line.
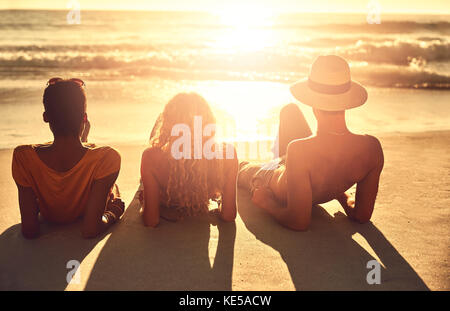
pixel 214 216
pixel 347 202
pixel 116 206
pixel 261 195
pixel 170 214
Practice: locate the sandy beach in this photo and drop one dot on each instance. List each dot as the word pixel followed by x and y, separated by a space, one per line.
pixel 409 235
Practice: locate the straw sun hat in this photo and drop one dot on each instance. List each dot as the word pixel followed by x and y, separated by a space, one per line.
pixel 329 86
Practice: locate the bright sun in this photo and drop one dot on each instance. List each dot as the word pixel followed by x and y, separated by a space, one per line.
pixel 245 29
pixel 241 16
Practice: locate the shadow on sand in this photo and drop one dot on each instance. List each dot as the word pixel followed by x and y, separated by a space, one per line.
pixel 175 256
pixel 41 264
pixel 326 257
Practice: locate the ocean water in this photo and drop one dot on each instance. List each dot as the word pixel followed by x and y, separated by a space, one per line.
pixel 134 62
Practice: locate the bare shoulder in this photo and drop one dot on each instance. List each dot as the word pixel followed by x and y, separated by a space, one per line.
pixel 372 140
pixel 373 143
pixel 300 146
pixel 155 163
pixel 375 150
pixel 300 149
pixel 152 155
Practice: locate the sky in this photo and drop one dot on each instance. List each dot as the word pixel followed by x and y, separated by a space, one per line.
pixel 387 6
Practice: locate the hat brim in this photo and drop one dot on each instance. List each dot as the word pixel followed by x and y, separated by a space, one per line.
pixel 354 97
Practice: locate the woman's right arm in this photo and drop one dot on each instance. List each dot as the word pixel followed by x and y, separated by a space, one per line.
pixel 29 212
pixel 151 189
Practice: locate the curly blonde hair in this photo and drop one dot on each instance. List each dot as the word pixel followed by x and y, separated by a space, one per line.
pixel 192 182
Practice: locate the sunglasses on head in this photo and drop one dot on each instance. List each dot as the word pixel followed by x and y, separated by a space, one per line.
pixel 56 80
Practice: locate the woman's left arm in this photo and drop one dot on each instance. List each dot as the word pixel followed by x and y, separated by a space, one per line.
pixel 228 207
pixel 151 190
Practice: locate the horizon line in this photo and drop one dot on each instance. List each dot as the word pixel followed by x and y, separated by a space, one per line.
pixel 217 12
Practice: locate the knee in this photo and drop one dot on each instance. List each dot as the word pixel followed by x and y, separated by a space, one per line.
pixel 289 110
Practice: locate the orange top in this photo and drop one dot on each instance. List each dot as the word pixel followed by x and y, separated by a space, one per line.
pixel 62 196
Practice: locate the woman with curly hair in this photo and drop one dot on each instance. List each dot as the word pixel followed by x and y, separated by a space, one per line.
pixel 177 186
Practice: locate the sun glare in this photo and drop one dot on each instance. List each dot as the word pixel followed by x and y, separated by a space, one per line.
pixel 246 29
pixel 242 16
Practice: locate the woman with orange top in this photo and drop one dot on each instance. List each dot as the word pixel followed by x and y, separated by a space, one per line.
pixel 181 180
pixel 67 179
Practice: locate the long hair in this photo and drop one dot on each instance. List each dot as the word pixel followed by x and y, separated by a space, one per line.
pixel 192 182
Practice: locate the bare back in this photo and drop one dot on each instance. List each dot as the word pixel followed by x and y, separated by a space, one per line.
pixel 334 163
pixel 155 172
